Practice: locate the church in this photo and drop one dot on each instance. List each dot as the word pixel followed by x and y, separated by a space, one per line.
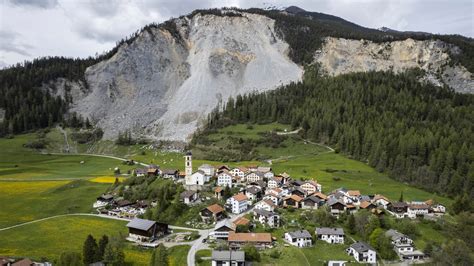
pixel 197 178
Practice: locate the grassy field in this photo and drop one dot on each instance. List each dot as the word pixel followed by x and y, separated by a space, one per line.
pixel 29 200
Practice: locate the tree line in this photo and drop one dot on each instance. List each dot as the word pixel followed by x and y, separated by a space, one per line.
pixel 417 133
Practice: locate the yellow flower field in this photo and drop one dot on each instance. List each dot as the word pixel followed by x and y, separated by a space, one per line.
pixel 106 179
pixel 17 188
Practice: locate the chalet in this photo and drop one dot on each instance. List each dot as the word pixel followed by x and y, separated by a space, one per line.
pixel 253 193
pixel 330 235
pixel 266 204
pixel 351 208
pixel 252 168
pixel 224 178
pixel 259 240
pixel 286 177
pixel 103 200
pixel 414 210
pixel 259 183
pixel 276 192
pixel 366 205
pixel 320 195
pixel 254 177
pixel 311 187
pixel 301 238
pixel 221 168
pixel 123 203
pixel 381 201
pixel 241 221
pixel 212 213
pixel 140 172
pixel 265 217
pixel 189 196
pixel 153 170
pixel 299 192
pixel 399 209
pixel 403 246
pixel 228 258
pixel 239 172
pixel 145 230
pixel 292 201
pixel 170 173
pixel 222 229
pixel 218 192
pixel 362 252
pixel 238 203
pixel 297 183
pixel 208 169
pixel 312 202
pixel 337 206
pixel 275 182
pixel 438 208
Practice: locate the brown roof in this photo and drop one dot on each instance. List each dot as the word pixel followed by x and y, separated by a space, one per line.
pixel 240 197
pixel 218 189
pixel 418 206
pixel 365 204
pixel 215 208
pixel 295 198
pixel 243 169
pixel 320 195
pixel 23 262
pixel 241 221
pixel 350 206
pixel 182 173
pixel 353 192
pixel 378 196
pixel 429 202
pixel 269 202
pixel 250 237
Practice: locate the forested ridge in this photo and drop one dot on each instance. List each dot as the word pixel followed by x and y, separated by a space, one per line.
pixel 417 133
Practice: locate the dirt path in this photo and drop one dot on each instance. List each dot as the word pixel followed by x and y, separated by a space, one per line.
pixel 67 147
pixel 95 155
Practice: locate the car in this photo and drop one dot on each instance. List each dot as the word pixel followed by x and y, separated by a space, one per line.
pixel 204 240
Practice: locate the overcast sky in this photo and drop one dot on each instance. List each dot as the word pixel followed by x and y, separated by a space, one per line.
pixel 79 28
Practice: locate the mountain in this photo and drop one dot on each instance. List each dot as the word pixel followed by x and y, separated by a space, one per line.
pixel 163 82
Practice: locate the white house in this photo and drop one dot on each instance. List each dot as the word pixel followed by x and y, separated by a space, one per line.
pixel 274 182
pixel 197 178
pixel 189 196
pixel 268 175
pixel 264 169
pixel 224 179
pixel 380 200
pixel 222 229
pixel 275 199
pixel 416 209
pixel 228 258
pixel 362 252
pixel 239 172
pixel 330 235
pixel 253 193
pixel 265 217
pixel 266 204
pixel 207 169
pixel 254 177
pixel 301 238
pixel 311 187
pixel 103 201
pixel 238 203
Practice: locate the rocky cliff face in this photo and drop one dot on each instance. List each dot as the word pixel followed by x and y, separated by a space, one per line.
pixel 340 56
pixel 163 86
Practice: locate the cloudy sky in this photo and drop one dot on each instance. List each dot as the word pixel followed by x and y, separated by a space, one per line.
pixel 79 28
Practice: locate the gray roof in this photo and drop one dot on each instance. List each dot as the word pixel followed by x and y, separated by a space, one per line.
pixel 364 198
pixel 394 234
pixel 206 166
pixel 300 234
pixel 361 247
pixel 226 255
pixel 187 194
pixel 265 213
pixel 253 189
pixel 141 224
pixel 329 231
pixel 313 199
pixel 333 201
pixel 227 223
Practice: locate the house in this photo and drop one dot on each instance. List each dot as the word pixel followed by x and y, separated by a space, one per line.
pixel 241 221
pixel 268 175
pixel 252 168
pixel 222 229
pixel 4 261
pixel 300 238
pixel 24 262
pixel 212 213
pixel 367 205
pixel 403 246
pixel 259 240
pixel 228 258
pixel 221 168
pixel 140 172
pixel 142 230
pixel 275 199
pixel 312 202
pixel 224 178
pixel 208 169
pixel 362 252
pixel 330 235
pixel 264 169
pixel 438 208
pixel 266 204
pixel 299 192
pixel 275 182
pixel 292 201
pixel 337 206
pixel 399 209
pixel 337 263
pixel 415 209
pixel 320 195
pixel 218 192
pixel 197 178
pixel 189 196
pixel 254 177
pixel 265 217
pixel 238 203
pixel 239 172
pixel 170 173
pixel 311 187
pixel 258 183
pixel 103 200
pixel 253 193
pixel 381 201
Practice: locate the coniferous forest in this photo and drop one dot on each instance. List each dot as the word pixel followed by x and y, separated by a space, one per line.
pixel 417 133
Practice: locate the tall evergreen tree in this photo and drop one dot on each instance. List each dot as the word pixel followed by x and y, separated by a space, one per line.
pixel 89 250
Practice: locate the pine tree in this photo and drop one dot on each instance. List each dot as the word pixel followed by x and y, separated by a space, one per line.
pixel 70 259
pixel 102 245
pixel 159 256
pixel 89 250
pixel 401 197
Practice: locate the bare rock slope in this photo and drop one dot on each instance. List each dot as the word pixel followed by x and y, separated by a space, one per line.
pixel 163 86
pixel 340 56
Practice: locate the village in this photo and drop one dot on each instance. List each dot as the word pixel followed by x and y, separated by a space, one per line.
pixel 254 196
